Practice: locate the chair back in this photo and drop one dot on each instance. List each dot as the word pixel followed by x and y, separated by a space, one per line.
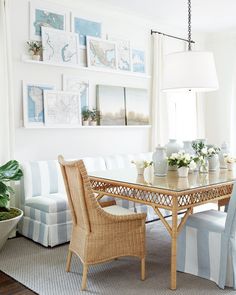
pixel 230 224
pixel 82 202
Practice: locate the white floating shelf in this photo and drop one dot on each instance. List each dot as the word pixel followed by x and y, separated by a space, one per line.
pixel 89 127
pixel 26 59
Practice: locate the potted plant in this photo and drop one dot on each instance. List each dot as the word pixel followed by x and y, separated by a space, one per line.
pixel 95 116
pixel 201 151
pixel 141 165
pixel 183 161
pixel 213 157
pixel 9 217
pixel 35 49
pixel 85 117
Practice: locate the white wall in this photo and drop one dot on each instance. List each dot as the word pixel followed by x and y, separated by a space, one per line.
pixel 220 104
pixel 48 143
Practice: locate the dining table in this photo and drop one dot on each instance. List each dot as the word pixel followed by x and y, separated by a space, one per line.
pixel 173 193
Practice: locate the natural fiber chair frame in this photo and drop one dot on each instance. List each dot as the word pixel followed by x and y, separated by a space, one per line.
pixel 98 236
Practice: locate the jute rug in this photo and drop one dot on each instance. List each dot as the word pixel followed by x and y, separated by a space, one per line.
pixel 43 270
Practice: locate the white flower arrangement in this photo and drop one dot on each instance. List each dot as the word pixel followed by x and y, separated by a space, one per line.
pixel 142 164
pixel 202 150
pixel 182 159
pixel 229 159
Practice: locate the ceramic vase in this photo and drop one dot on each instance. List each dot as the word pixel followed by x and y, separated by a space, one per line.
pixel 183 171
pixel 172 147
pixel 230 166
pixel 213 163
pixel 160 162
pixel 188 147
pixel 223 150
pixel 140 170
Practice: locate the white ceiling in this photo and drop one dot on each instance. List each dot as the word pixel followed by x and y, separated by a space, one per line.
pixel 207 15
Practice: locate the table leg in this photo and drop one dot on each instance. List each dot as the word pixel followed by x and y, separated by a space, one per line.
pixel 174 246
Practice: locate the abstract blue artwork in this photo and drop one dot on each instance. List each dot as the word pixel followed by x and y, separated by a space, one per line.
pixel 34 104
pixel 84 27
pixel 138 61
pixel 48 19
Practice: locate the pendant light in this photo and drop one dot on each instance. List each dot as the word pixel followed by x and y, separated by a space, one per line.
pixel 190 70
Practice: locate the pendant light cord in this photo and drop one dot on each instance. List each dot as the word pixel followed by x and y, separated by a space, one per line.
pixel 189 26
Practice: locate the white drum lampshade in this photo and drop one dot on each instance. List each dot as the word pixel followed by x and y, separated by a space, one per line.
pixel 190 70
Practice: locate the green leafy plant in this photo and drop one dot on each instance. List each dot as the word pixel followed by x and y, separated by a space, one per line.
pixel 86 114
pixel 35 47
pixel 95 115
pixel 8 172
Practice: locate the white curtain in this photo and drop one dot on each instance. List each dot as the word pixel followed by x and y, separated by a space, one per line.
pixel 6 88
pixel 159 134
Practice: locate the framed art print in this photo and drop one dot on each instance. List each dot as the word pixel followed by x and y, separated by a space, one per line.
pixel 138 61
pixel 33 103
pixel 60 46
pixel 62 108
pixel 101 54
pixel 47 15
pixel 78 85
pixel 84 27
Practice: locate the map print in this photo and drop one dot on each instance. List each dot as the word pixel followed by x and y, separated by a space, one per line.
pixel 123 54
pixel 75 84
pixel 59 46
pixel 62 108
pixel 48 19
pixel 84 27
pixel 101 53
pixel 35 103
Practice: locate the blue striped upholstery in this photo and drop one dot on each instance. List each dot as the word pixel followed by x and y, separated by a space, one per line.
pixel 207 245
pixel 44 201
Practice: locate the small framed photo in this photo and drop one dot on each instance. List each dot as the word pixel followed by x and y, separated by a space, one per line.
pixel 85 27
pixel 62 109
pixel 101 54
pixel 46 15
pixel 138 61
pixel 60 46
pixel 78 85
pixel 33 103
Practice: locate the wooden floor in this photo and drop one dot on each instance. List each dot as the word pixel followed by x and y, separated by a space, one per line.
pixel 9 286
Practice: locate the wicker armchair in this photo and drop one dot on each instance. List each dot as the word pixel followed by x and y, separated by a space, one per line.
pixel 98 236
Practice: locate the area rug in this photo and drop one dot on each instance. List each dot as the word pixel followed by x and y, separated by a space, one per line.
pixel 43 270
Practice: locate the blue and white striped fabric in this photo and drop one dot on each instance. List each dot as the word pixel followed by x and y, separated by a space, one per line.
pixel 207 245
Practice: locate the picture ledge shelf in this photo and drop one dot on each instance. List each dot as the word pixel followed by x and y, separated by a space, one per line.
pixel 27 59
pixel 88 127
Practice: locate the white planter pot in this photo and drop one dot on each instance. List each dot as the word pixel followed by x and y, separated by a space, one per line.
pixel 230 166
pixel 213 163
pixel 86 123
pixel 7 226
pixel 36 57
pixel 183 171
pixel 140 171
pixel 93 123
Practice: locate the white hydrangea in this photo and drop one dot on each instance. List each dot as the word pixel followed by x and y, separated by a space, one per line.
pixel 204 151
pixel 211 151
pixel 192 165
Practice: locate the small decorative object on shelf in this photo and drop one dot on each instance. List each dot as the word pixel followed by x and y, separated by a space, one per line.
pixel 160 161
pixel 141 165
pixel 85 117
pixel 35 49
pixel 95 117
pixel 213 158
pixel 183 161
pixel 229 160
pixel 224 150
pixel 172 147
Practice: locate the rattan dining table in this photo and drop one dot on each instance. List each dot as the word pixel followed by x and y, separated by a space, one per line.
pixel 170 192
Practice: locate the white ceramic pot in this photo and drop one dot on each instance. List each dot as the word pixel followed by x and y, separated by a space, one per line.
pixel 7 226
pixel 213 163
pixel 93 123
pixel 36 57
pixel 183 171
pixel 140 170
pixel 86 123
pixel 230 166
